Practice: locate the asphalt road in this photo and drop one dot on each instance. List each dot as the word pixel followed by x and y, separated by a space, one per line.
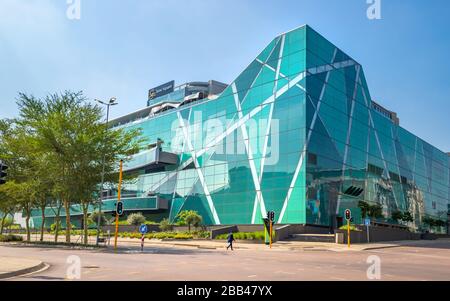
pixel 162 263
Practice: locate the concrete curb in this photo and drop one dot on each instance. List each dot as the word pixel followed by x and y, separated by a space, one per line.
pixel 39 267
pixel 380 247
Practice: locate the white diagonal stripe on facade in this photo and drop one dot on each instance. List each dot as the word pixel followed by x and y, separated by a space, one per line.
pixel 377 138
pixel 251 114
pixel 349 131
pixel 197 167
pixel 269 121
pixel 248 147
pixel 302 155
pixel 238 123
pixel 260 70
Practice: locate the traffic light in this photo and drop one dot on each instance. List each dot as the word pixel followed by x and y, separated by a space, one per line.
pixel 119 208
pixel 271 215
pixel 348 214
pixel 3 173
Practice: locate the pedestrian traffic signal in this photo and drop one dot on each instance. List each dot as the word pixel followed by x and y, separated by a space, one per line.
pixel 3 173
pixel 348 214
pixel 119 208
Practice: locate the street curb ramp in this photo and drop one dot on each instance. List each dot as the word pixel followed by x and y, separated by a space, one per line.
pixel 29 270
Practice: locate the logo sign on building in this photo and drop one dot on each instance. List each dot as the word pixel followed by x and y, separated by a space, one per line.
pixel 161 90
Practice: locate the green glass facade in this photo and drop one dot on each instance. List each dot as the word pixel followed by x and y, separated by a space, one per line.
pixel 293 133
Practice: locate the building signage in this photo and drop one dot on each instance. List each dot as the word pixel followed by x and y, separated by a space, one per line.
pixel 161 90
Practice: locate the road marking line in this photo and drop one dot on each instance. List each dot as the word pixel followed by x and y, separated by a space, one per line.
pixel 338 278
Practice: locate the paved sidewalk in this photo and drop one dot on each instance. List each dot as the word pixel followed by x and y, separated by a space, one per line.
pixel 12 267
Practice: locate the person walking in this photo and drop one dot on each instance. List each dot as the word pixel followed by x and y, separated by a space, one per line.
pixel 230 240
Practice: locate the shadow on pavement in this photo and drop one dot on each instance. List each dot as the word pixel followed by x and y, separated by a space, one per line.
pixel 155 250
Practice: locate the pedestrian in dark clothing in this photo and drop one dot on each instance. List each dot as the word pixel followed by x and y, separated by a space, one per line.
pixel 230 240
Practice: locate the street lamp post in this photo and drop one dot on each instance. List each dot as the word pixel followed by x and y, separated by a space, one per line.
pixel 112 102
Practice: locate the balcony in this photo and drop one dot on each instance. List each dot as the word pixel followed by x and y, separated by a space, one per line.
pixel 150 159
pixel 134 204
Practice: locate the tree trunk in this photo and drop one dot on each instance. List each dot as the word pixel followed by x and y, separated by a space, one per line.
pixel 42 223
pixel 68 225
pixel 57 221
pixel 85 222
pixel 3 223
pixel 28 227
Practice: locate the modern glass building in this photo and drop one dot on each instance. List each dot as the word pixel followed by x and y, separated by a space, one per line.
pixel 297 132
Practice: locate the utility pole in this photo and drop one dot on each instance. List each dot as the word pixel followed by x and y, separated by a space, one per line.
pixel 119 207
pixel 112 102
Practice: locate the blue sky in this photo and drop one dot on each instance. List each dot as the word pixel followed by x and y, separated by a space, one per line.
pixel 123 48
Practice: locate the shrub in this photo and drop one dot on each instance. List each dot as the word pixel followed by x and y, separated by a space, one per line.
pixel 136 219
pixel 10 238
pixel 183 236
pixel 165 225
pixel 53 227
pixel 201 234
pixel 150 223
pixel 259 235
pixel 93 218
pixel 352 228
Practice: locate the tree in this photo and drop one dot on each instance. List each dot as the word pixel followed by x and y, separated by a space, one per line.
pixel 397 215
pixel 190 217
pixel 71 131
pixel 432 222
pixel 136 219
pixel 364 206
pixel 56 208
pixel 26 202
pixel 8 204
pixel 407 217
pixel 375 211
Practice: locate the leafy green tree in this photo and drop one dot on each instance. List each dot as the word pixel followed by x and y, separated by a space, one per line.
pixel 364 206
pixel 8 204
pixel 69 130
pixel 397 215
pixel 407 217
pixel 56 206
pixel 375 211
pixel 193 218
